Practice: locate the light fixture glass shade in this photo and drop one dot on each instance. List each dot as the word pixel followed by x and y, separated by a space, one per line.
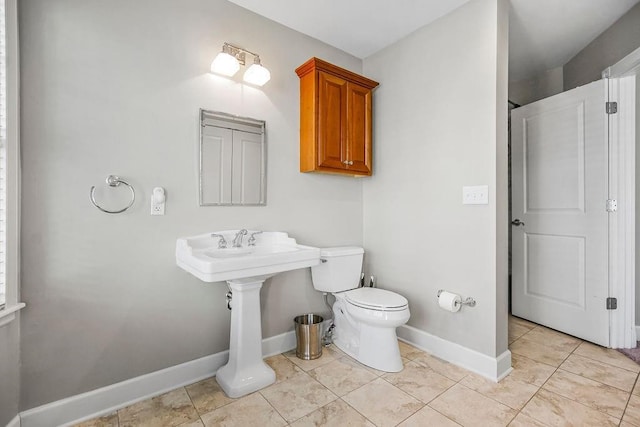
pixel 225 64
pixel 257 75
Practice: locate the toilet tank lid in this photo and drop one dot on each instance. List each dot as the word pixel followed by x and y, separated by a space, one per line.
pixel 341 251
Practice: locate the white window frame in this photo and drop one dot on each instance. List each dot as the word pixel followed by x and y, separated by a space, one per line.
pixel 12 271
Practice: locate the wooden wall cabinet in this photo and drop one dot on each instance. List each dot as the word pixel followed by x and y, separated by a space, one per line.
pixel 335 119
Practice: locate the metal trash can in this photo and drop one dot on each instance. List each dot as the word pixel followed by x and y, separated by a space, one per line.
pixel 308 336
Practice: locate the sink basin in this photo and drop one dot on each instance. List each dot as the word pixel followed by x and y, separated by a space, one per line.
pixel 244 269
pixel 229 253
pixel 274 252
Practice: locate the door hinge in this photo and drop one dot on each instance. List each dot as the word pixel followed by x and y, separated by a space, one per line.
pixel 612 205
pixel 611 107
pixel 612 303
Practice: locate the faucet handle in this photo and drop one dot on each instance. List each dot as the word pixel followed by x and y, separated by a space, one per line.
pixel 222 243
pixel 252 239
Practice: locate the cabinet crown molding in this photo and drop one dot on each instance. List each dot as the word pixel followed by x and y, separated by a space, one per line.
pixel 318 64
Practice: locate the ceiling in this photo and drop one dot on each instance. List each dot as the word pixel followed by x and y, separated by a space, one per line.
pixel 543 34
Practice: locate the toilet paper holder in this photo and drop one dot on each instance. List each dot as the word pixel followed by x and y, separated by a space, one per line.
pixel 467 301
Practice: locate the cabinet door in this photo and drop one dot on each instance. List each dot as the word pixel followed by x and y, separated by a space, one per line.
pixel 247 180
pixel 216 159
pixel 332 121
pixel 359 128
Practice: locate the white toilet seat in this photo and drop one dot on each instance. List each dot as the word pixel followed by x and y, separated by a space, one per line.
pixel 376 299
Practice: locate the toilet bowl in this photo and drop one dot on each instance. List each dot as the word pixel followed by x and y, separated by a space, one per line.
pixel 365 318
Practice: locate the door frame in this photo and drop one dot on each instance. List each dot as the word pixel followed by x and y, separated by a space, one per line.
pixel 621 86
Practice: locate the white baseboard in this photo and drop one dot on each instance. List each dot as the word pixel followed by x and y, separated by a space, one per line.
pixel 637 332
pixel 493 368
pixel 107 399
pixel 15 422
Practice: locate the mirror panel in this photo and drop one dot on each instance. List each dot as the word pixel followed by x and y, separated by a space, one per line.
pixel 232 160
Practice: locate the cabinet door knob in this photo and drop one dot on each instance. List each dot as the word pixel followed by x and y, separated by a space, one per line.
pixel 348 162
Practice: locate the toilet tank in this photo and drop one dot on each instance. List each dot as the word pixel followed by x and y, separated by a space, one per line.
pixel 340 272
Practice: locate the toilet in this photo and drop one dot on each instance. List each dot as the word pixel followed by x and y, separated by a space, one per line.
pixel 365 318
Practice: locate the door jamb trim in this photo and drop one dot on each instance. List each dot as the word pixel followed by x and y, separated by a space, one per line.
pixel 621 133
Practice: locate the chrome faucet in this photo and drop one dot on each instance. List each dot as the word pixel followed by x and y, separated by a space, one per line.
pixel 237 241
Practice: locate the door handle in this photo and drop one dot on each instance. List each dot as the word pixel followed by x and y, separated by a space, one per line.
pixel 517 222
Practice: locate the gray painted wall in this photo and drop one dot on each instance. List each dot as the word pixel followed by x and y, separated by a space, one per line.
pixel 619 40
pixel 547 84
pixel 418 236
pixel 9 371
pixel 115 87
pixel 501 150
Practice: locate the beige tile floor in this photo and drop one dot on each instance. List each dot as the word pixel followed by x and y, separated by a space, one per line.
pixel 557 380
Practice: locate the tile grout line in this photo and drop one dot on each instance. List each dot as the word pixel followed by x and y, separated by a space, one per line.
pixel 408 394
pixel 444 415
pixel 449 388
pixel 363 415
pixel 573 352
pixel 606 363
pixel 274 408
pixel 599 382
pixel 118 416
pixel 491 398
pixel 575 401
pixel 412 414
pixel 193 404
pixel 382 377
pixel 545 381
pixel 459 382
pixel 438 395
pixel 315 380
pixel 629 399
pixel 355 409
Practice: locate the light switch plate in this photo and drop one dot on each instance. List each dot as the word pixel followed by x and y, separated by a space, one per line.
pixel 475 195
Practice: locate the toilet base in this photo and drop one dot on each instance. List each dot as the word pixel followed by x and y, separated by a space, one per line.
pixel 385 359
pixel 374 346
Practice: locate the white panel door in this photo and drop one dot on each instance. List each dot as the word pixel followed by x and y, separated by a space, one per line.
pixel 559 219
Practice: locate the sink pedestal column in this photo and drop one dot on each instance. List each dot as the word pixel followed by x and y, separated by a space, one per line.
pixel 245 372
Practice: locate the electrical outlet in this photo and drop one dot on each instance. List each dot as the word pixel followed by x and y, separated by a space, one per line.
pixel 158 200
pixel 157 209
pixel 475 195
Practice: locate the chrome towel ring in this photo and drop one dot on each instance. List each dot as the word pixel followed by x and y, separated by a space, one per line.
pixel 113 181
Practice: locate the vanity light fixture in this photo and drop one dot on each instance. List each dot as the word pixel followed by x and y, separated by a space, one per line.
pixel 256 74
pixel 228 62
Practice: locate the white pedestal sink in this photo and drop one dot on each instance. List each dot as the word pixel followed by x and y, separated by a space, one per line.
pixel 245 269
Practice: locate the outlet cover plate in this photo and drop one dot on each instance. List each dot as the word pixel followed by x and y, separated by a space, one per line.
pixel 157 208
